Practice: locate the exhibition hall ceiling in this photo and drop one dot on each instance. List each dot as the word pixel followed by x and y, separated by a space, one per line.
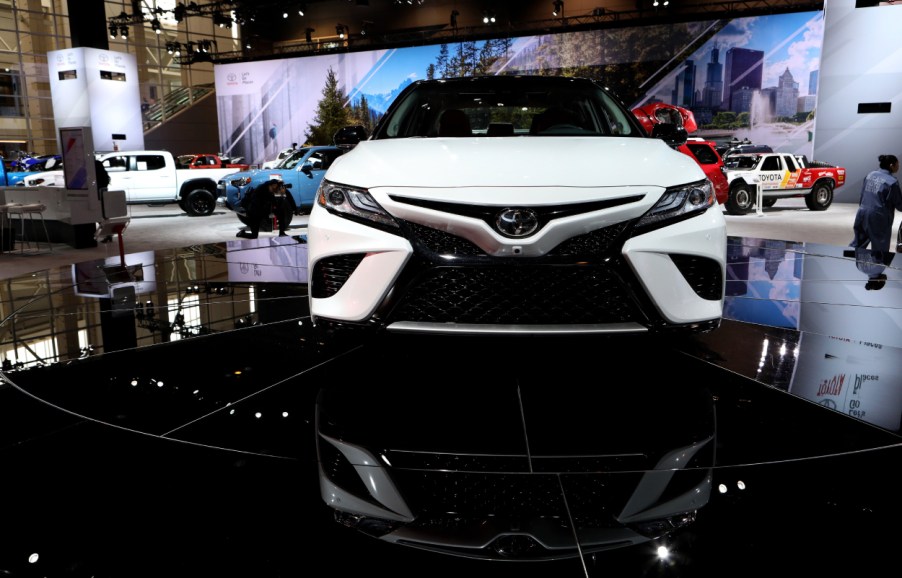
pixel 371 24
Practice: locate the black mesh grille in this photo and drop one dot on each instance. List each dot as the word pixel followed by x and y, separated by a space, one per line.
pixel 595 242
pixel 441 242
pixel 704 275
pixel 513 294
pixel 331 273
pixel 594 497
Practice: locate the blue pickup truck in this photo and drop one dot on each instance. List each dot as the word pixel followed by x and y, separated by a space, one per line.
pixel 303 171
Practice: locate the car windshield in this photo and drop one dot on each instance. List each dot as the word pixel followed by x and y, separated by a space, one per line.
pixel 741 161
pixel 507 106
pixel 292 160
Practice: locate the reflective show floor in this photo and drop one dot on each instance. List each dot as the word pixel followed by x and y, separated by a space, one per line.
pixel 163 416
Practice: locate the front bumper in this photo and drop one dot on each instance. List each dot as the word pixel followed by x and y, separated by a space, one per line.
pixel 584 280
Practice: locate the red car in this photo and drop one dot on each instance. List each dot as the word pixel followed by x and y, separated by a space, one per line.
pixel 704 152
pixel 211 161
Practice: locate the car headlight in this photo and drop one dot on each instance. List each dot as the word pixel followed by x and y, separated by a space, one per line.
pixel 353 203
pixel 240 182
pixel 680 202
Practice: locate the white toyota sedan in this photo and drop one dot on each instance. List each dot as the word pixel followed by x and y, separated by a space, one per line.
pixel 516 205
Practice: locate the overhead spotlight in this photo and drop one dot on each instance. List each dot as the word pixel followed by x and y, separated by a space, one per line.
pixel 155 25
pixel 454 15
pixel 488 17
pixel 557 8
pixel 285 14
pixel 308 34
pixel 179 12
pixel 123 31
pixel 340 29
pixel 301 9
pixel 365 28
pixel 113 30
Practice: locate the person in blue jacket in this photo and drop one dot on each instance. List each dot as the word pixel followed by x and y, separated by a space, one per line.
pixel 881 197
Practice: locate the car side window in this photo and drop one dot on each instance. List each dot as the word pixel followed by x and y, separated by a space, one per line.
pixel 116 164
pixel 150 162
pixel 771 164
pixel 329 157
pixel 704 154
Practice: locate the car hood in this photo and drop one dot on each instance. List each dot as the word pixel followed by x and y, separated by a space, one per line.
pixel 513 162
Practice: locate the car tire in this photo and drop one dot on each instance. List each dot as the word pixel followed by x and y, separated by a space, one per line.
pixel 820 197
pixel 199 203
pixel 741 200
pixel 769 202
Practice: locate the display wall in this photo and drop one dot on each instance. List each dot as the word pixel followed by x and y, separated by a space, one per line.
pixel 748 78
pixel 862 65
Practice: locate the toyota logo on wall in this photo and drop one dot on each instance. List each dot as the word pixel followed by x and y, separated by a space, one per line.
pixel 517 222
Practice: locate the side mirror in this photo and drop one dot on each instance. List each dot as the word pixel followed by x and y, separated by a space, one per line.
pixel 306 169
pixel 670 133
pixel 348 137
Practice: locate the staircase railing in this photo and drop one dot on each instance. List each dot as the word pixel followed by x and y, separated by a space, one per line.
pixel 175 102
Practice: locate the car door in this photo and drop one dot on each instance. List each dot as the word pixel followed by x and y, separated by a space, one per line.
pixel 145 176
pixel 772 175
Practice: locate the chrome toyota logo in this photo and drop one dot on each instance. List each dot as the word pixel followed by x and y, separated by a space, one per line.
pixel 517 222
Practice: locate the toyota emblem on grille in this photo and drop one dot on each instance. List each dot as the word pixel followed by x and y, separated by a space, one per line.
pixel 517 222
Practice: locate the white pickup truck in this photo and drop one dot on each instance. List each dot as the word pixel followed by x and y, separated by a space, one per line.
pixel 150 177
pixel 779 176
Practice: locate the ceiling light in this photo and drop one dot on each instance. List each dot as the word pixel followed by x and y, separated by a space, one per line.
pixel 558 8
pixel 113 30
pixel 308 34
pixel 340 30
pixel 454 15
pixel 155 25
pixel 123 31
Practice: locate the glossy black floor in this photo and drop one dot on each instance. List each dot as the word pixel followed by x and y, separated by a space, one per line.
pixel 169 430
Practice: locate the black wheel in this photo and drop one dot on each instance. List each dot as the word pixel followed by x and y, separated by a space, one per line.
pixel 820 197
pixel 199 203
pixel 741 200
pixel 769 202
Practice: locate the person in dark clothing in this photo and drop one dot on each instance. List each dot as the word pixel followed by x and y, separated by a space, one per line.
pixel 881 197
pixel 103 178
pixel 270 199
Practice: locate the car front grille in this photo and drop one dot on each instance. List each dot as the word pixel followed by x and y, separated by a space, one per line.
pixel 517 294
pixel 516 497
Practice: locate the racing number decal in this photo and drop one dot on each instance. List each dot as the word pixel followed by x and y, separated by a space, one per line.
pixel 791 180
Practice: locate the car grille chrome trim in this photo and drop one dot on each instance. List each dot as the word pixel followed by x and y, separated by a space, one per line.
pixel 593 243
pixel 489 329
